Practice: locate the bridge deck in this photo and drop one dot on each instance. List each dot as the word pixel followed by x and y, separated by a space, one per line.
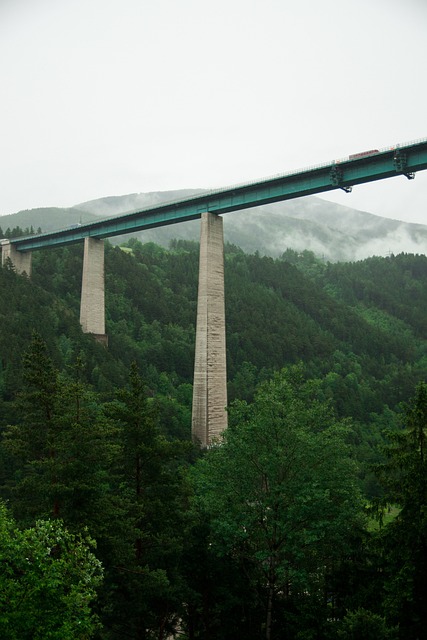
pixel 338 174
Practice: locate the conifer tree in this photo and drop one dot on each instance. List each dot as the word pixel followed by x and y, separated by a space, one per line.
pixel 144 577
pixel 281 495
pixel 404 540
pixel 61 445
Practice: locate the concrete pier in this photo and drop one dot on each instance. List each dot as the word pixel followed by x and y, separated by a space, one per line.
pixel 209 417
pixel 21 260
pixel 92 305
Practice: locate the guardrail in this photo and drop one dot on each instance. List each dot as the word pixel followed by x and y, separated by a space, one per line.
pixel 231 190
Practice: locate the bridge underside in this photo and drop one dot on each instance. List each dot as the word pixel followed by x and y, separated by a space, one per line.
pixel 403 160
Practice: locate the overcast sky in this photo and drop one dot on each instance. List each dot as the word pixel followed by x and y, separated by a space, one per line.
pixel 109 97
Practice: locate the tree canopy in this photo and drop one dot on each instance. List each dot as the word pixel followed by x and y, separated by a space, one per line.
pixel 281 493
pixel 270 532
pixel 48 581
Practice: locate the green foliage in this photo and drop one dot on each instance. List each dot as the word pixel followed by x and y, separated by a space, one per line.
pixel 365 625
pixel 146 586
pixel 48 582
pixel 281 491
pixel 83 440
pixel 17 232
pixel 404 540
pixel 61 445
pixel 278 312
pixel 404 474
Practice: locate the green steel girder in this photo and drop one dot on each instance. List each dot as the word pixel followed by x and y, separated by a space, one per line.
pixel 340 174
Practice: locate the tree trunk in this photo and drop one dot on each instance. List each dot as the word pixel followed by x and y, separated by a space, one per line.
pixel 269 618
pixel 269 613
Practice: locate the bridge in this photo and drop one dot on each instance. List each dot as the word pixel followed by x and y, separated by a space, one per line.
pixel 209 389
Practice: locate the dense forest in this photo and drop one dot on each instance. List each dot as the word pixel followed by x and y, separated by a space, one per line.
pixel 306 522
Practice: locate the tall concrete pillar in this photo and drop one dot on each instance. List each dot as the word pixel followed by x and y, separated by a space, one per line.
pixel 209 417
pixel 92 304
pixel 21 260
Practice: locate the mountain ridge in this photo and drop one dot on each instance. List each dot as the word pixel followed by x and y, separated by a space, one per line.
pixel 331 231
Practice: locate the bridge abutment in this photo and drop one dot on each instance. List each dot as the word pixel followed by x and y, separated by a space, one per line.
pixel 92 305
pixel 21 260
pixel 209 416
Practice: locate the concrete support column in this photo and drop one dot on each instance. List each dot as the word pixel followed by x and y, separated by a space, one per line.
pixel 21 260
pixel 92 305
pixel 209 417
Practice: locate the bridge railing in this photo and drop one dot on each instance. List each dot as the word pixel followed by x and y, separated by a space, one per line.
pixel 277 176
pixel 230 188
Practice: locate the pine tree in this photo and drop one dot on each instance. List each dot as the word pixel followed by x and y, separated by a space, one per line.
pixel 61 445
pixel 404 540
pixel 281 496
pixel 146 585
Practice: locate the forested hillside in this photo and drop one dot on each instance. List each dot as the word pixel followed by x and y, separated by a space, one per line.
pixel 322 360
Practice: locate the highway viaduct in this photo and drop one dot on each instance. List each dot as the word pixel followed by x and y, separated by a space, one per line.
pixel 209 417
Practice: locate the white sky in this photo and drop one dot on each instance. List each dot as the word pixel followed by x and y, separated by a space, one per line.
pixel 109 97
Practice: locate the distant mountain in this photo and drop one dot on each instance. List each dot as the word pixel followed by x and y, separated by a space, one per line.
pixel 113 205
pixel 47 218
pixel 331 231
